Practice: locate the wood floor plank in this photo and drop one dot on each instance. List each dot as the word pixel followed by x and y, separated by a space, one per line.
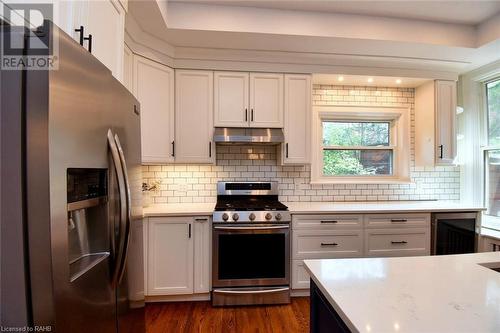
pixel 201 317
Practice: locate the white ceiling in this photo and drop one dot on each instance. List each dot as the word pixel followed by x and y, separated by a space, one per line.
pixel 362 80
pixel 334 40
pixel 452 11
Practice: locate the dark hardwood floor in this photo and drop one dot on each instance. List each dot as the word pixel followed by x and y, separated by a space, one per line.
pixel 187 317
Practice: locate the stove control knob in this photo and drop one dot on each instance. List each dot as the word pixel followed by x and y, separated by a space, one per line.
pixel 278 216
pixel 236 217
pixel 225 216
pixel 269 216
pixel 251 216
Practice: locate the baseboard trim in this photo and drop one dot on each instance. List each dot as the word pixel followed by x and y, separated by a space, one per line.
pixel 299 292
pixel 178 298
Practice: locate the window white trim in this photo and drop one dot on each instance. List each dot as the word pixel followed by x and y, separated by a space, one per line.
pixel 400 142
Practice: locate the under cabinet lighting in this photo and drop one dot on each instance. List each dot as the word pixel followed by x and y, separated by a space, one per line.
pixel 340 78
pixel 370 80
pixel 398 81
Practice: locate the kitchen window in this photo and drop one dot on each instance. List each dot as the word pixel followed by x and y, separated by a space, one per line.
pixel 361 145
pixel 492 154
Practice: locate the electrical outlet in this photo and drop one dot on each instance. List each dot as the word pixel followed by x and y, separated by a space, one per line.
pixel 183 187
pixel 297 186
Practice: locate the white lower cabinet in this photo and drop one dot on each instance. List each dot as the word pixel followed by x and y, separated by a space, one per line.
pixel 397 242
pixel 300 277
pixel 178 256
pixel 170 256
pixel 202 254
pixel 489 244
pixel 355 235
pixel 319 244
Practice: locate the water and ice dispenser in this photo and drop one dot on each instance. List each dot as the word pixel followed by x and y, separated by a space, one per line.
pixel 88 229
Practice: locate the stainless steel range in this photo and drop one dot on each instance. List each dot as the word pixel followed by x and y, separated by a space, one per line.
pixel 251 245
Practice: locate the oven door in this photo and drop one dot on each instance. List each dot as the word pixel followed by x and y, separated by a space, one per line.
pixel 251 255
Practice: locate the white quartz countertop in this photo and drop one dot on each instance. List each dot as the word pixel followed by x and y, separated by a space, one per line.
pixel 412 294
pixel 186 209
pixel 378 207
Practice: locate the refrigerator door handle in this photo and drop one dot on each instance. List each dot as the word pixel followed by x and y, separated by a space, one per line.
pixel 128 219
pixel 118 250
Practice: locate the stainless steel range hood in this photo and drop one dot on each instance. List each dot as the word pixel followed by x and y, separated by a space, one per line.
pixel 230 135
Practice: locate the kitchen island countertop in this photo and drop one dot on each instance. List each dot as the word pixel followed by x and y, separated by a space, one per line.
pixel 412 294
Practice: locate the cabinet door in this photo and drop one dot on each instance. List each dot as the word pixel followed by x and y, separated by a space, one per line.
pixel 193 116
pixel 154 88
pixel 296 149
pixel 202 254
pixel 128 68
pixel 106 24
pixel 170 256
pixel 300 277
pixel 446 103
pixel 490 244
pixel 231 99
pixel 266 100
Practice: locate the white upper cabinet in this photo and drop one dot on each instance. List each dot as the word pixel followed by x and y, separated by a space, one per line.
pixel 128 68
pixel 435 117
pixel 154 88
pixel 296 149
pixel 266 100
pixel 231 91
pixel 106 24
pixel 248 99
pixel 104 20
pixel 194 116
pixel 446 106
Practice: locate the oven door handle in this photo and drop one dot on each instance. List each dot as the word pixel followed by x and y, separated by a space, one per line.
pixel 254 227
pixel 240 292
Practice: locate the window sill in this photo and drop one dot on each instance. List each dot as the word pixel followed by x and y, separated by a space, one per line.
pixel 357 180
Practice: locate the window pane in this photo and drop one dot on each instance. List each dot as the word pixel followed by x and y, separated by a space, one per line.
pixel 357 162
pixel 493 182
pixel 493 100
pixel 356 133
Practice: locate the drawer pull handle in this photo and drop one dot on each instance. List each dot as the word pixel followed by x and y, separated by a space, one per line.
pixel 329 244
pixel 399 220
pixel 399 242
pixel 201 219
pixel 329 221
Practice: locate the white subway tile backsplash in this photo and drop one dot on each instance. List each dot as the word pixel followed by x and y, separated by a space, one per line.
pixel 196 183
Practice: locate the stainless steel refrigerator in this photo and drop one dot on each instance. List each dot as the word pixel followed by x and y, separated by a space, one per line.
pixel 70 194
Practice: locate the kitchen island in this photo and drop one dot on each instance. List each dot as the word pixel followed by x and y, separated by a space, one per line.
pixel 454 293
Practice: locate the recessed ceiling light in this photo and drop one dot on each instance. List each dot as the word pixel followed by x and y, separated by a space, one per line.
pixel 398 81
pixel 340 78
pixel 370 80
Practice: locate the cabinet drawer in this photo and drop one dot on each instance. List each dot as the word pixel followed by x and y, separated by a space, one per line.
pixel 300 277
pixel 316 244
pixel 327 222
pixel 397 242
pixel 397 220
